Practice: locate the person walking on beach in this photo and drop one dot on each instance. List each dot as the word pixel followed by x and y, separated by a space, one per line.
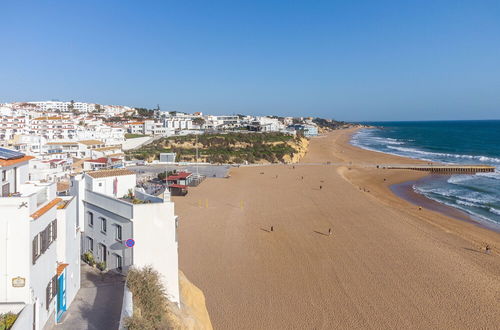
pixel 320 187
pixel 329 231
pixel 487 249
pixel 272 228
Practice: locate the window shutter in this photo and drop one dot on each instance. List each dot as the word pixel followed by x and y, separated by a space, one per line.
pixel 54 286
pixel 43 243
pixel 34 247
pixel 47 295
pixel 54 230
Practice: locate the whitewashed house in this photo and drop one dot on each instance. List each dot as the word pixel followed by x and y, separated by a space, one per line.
pixel 122 231
pixel 40 254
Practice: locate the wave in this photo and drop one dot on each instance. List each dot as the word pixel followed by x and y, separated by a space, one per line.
pixel 440 154
pixel 455 179
pixel 492 175
pixel 494 210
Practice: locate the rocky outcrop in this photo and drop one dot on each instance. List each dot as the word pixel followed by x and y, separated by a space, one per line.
pixel 193 314
pixel 301 148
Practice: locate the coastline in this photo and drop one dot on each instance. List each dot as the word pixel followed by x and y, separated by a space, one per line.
pixel 405 191
pixel 443 216
pixel 386 265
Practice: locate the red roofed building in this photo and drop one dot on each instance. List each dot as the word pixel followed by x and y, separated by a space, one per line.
pixel 178 183
pixel 102 163
pixel 182 178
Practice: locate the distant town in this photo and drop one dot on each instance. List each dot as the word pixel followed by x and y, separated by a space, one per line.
pixel 86 191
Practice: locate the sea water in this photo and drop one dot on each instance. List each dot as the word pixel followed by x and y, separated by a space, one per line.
pixel 451 142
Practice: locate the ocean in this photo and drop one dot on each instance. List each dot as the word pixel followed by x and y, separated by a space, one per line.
pixel 452 142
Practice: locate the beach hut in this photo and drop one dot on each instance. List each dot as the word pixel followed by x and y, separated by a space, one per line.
pixel 178 189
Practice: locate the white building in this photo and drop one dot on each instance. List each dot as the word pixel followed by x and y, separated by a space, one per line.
pixel 40 254
pixel 52 170
pixel 124 226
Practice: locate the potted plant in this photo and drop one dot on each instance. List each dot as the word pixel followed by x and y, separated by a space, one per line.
pixel 101 266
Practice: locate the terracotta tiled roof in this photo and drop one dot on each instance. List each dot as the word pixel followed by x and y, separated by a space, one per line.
pixel 180 186
pixel 46 208
pixel 62 186
pixel 60 268
pixel 90 142
pixel 9 162
pixel 107 148
pixel 102 160
pixel 61 143
pixel 108 173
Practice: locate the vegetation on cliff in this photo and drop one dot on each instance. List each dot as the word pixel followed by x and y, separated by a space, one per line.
pixel 152 309
pixel 225 148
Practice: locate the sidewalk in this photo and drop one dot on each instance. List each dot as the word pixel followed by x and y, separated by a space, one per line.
pixel 97 306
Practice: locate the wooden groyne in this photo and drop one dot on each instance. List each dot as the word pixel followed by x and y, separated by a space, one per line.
pixel 443 169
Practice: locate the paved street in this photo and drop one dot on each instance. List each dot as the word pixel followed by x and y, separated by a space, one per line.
pixel 97 305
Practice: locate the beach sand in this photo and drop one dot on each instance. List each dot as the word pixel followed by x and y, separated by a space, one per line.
pixel 387 265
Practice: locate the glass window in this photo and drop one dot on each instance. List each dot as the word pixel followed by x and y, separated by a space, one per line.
pixel 118 261
pixel 118 233
pixel 103 225
pixel 91 219
pixel 90 244
pixel 35 248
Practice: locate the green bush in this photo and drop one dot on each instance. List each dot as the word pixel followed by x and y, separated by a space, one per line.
pixel 101 266
pixel 151 306
pixel 223 148
pixel 7 320
pixel 88 257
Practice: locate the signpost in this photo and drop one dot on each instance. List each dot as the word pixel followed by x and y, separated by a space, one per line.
pixel 130 243
pixel 18 282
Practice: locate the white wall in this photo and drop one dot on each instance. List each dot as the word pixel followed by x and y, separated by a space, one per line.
pixel 155 243
pixel 68 247
pixel 15 249
pixel 105 185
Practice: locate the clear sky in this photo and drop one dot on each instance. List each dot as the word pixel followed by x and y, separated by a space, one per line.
pixel 350 60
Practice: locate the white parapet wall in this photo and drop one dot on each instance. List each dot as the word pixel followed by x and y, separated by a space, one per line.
pixel 127 307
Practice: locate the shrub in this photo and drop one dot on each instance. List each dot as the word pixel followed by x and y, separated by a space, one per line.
pixel 7 320
pixel 162 175
pixel 101 266
pixel 151 306
pixel 88 257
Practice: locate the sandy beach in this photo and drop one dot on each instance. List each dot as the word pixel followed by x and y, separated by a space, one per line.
pixel 387 264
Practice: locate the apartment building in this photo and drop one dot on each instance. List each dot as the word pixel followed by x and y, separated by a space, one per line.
pixel 54 127
pixel 49 169
pixel 40 253
pixel 102 163
pixel 77 149
pixel 12 125
pixel 64 106
pixel 124 226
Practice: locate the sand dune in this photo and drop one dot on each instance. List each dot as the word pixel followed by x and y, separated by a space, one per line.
pixel 386 266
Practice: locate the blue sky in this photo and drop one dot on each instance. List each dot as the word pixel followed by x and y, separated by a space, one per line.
pixel 350 60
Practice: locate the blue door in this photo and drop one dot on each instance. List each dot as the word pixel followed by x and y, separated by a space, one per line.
pixel 61 296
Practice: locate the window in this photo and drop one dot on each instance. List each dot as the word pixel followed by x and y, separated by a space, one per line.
pixel 118 262
pixel 101 252
pixel 90 244
pixel 103 225
pixel 35 247
pixel 53 226
pixel 118 233
pixel 44 240
pixel 51 291
pixel 91 219
pixel 4 175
